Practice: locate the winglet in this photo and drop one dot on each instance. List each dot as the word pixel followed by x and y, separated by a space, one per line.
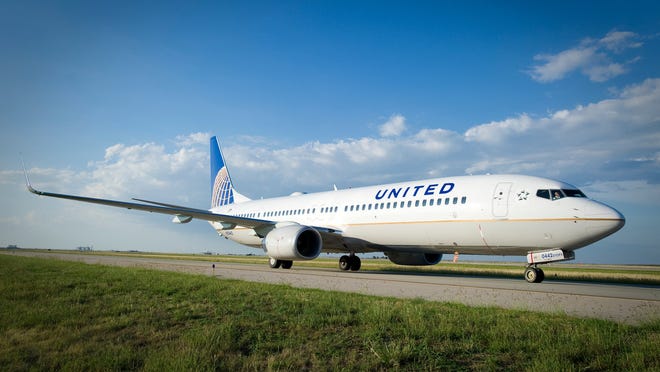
pixel 27 180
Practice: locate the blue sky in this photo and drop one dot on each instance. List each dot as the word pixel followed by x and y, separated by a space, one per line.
pixel 117 99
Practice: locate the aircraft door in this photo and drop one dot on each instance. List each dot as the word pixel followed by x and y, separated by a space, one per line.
pixel 501 199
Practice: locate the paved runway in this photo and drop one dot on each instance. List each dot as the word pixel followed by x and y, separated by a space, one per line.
pixel 631 304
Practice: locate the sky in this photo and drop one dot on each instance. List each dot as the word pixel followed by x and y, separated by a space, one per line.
pixel 117 99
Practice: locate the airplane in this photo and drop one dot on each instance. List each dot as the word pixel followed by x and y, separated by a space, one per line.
pixel 412 223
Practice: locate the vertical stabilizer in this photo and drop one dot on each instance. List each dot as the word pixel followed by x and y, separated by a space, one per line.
pixel 222 190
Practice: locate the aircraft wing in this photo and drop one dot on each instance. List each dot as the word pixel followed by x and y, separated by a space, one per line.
pixel 162 208
pixel 332 237
pixel 262 226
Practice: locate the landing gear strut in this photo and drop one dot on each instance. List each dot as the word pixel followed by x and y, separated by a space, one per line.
pixel 351 262
pixel 534 275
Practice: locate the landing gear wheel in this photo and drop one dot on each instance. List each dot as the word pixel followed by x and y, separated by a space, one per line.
pixel 274 263
pixel 530 275
pixel 345 263
pixel 541 275
pixel 355 263
pixel 351 262
pixel 287 264
pixel 534 275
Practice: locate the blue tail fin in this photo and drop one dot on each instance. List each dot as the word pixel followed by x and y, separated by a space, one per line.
pixel 222 191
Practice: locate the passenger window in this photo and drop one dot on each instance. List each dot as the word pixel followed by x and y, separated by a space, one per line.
pixel 439 202
pixel 402 204
pixel 431 202
pixel 455 200
pixel 464 200
pixel 388 205
pixel 424 203
pixel 446 201
pixel 416 203
pixel 409 203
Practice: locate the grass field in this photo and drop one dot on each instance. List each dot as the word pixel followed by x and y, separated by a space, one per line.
pixel 72 316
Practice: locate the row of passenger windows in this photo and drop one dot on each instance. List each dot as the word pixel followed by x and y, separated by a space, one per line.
pixel 359 207
pixel 404 204
pixel 289 212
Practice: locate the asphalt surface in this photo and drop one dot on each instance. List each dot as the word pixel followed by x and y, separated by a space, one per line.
pixel 630 304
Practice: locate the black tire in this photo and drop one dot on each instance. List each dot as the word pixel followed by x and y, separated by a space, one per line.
pixel 541 276
pixel 287 264
pixel 531 275
pixel 274 264
pixel 355 263
pixel 345 263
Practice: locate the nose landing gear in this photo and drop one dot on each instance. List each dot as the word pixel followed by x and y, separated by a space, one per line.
pixel 534 275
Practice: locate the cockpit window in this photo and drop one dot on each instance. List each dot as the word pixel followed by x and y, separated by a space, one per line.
pixel 545 194
pixel 574 193
pixel 556 194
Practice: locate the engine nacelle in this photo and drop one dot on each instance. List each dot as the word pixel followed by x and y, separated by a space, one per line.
pixel 293 242
pixel 414 259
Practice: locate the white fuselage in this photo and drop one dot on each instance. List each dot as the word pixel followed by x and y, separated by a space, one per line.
pixel 498 215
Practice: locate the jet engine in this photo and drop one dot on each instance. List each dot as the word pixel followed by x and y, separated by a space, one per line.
pixel 414 259
pixel 293 242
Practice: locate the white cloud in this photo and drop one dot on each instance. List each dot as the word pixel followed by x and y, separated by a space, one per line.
pixel 147 168
pixel 394 126
pixel 601 73
pixel 591 57
pixel 555 67
pixel 192 139
pixel 497 131
pixel 619 120
pixel 618 41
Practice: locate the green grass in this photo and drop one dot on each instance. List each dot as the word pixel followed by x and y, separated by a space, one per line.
pixel 72 316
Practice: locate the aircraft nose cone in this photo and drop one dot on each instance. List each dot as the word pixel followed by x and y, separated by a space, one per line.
pixel 605 218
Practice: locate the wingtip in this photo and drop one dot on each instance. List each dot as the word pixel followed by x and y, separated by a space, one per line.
pixel 27 179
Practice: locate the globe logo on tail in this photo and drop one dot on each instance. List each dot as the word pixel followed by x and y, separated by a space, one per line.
pixel 223 192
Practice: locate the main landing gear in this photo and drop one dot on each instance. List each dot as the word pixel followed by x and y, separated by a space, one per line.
pixel 276 264
pixel 351 262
